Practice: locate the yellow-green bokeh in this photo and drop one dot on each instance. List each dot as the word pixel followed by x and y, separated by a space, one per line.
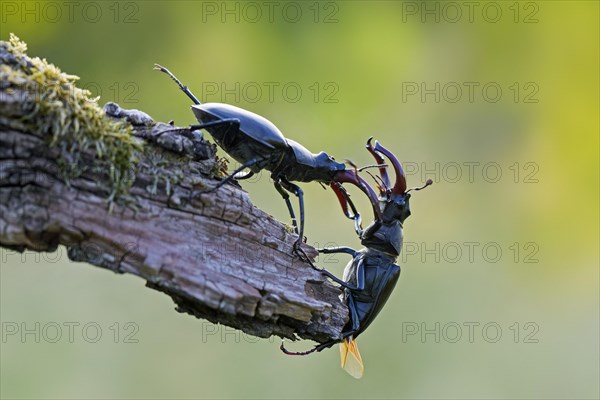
pixel 544 137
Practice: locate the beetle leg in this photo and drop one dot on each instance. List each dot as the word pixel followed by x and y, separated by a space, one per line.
pixel 286 197
pixel 295 189
pixel 360 269
pixel 339 281
pixel 360 275
pixel 332 277
pixel 360 278
pixel 357 219
pixel 317 348
pixel 342 249
pixel 326 345
pixel 332 250
pixel 231 176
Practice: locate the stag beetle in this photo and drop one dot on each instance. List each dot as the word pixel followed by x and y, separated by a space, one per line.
pixel 371 276
pixel 257 144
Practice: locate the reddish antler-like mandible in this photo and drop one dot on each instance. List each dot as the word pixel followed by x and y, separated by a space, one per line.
pixel 385 179
pixel 344 199
pixel 400 185
pixel 351 176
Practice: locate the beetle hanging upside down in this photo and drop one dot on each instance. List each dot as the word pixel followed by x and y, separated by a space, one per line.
pixel 371 276
pixel 257 144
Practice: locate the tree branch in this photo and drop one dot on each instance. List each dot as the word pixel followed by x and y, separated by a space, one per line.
pixel 217 256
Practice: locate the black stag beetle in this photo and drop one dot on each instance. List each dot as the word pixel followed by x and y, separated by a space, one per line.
pixel 371 276
pixel 257 144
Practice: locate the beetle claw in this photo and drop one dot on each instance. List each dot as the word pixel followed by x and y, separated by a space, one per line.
pixel 297 353
pixel 299 252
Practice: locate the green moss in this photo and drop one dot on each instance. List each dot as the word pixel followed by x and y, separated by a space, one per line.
pixel 73 122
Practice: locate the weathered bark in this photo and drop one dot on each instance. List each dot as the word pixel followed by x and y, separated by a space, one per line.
pixel 218 256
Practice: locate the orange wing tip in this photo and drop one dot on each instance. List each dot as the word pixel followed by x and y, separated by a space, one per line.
pixel 350 358
pixel 343 352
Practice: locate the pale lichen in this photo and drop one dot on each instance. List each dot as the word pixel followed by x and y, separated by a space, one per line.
pixel 51 106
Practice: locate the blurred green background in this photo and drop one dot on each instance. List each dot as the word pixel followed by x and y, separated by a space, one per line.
pixel 497 102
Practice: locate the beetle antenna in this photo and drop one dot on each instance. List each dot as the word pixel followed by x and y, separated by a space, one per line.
pixel 377 179
pixel 429 182
pixel 373 166
pixel 382 187
pixel 351 163
pixel 181 85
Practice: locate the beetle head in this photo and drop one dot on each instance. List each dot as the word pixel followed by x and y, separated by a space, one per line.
pixel 309 167
pixel 396 207
pixel 327 164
